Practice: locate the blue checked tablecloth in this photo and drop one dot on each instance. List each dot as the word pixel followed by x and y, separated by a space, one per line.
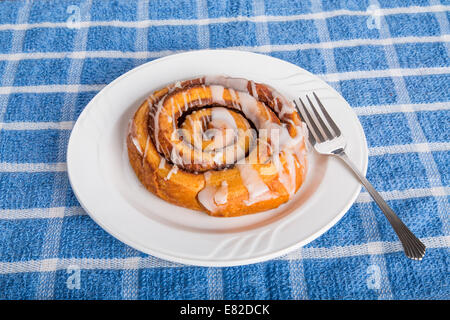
pixel 389 59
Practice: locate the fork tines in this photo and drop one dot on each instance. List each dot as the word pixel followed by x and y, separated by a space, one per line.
pixel 323 128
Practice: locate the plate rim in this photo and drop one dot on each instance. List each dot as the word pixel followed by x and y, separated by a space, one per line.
pixel 231 261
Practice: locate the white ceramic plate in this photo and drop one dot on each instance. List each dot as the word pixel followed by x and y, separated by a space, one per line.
pixel 109 191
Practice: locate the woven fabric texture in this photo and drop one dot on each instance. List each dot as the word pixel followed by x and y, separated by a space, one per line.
pixel 388 58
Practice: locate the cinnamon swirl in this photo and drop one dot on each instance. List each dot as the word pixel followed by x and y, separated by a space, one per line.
pixel 225 146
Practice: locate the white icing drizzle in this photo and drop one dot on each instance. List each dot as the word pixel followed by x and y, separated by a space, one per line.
pixel 156 122
pixel 130 126
pixel 175 157
pixel 177 85
pixel 233 96
pixel 206 198
pixel 288 176
pixel 257 189
pixel 131 132
pixel 291 148
pixel 249 106
pixel 210 196
pixel 217 94
pixel 162 163
pixel 221 194
pixel 186 106
pixel 136 144
pixel 222 115
pixel 206 195
pixel 254 92
pixel 197 133
pixel 172 171
pixel 238 84
pixel 146 148
pixel 218 157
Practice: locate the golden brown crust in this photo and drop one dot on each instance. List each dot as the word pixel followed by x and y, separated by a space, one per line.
pixel 180 184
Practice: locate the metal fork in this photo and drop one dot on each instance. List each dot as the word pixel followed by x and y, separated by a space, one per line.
pixel 327 139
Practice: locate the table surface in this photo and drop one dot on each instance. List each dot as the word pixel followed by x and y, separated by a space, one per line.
pixel 389 59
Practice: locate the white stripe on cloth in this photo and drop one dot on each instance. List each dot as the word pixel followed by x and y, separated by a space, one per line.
pixel 262 29
pixel 336 252
pixel 215 283
pixel 324 37
pixel 417 134
pixel 63 125
pixel 332 77
pixel 396 108
pixel 83 263
pixel 52 236
pixel 373 237
pixel 299 289
pixel 363 197
pixel 57 212
pixel 406 194
pixel 202 29
pixel 9 71
pixel 41 213
pixel 371 233
pixel 442 20
pixel 409 148
pixel 66 88
pixel 370 228
pixel 378 248
pixel 33 167
pixel 258 48
pixel 400 72
pixel 206 21
pixel 141 43
pixel 130 276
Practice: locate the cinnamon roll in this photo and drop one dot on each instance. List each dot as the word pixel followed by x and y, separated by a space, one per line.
pixel 225 146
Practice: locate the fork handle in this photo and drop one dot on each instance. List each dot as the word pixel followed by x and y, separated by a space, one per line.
pixel 412 246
